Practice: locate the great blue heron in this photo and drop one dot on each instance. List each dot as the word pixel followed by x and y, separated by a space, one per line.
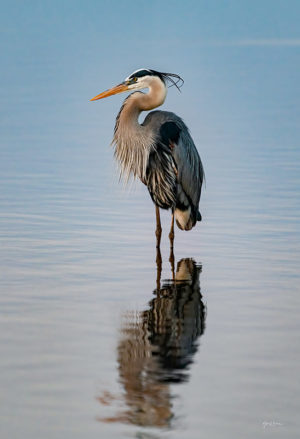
pixel 160 151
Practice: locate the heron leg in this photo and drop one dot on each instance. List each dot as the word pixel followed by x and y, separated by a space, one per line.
pixel 158 227
pixel 171 258
pixel 171 234
pixel 172 262
pixel 158 268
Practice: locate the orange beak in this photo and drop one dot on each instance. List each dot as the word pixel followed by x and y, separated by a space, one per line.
pixel 112 91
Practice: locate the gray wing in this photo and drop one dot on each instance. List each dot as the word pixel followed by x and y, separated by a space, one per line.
pixel 174 134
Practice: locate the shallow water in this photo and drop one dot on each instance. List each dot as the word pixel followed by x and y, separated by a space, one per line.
pixel 91 343
pixel 94 340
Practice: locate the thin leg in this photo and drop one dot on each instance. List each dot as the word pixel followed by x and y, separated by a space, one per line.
pixel 172 262
pixel 158 269
pixel 171 258
pixel 158 227
pixel 171 234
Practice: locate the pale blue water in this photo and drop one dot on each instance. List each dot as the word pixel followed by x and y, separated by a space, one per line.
pixel 89 347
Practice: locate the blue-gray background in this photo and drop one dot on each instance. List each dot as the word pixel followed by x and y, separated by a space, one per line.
pixel 77 249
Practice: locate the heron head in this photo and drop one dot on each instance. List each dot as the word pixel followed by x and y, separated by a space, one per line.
pixel 140 79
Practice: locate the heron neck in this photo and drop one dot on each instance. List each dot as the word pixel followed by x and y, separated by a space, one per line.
pixel 138 102
pixel 155 97
pixel 133 142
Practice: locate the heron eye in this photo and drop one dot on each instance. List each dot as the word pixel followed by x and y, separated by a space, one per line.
pixel 135 79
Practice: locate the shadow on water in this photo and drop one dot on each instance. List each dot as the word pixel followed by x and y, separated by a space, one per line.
pixel 157 346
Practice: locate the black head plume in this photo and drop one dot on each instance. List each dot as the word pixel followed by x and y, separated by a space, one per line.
pixel 170 78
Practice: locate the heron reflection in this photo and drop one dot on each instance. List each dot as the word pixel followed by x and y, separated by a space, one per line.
pixel 157 346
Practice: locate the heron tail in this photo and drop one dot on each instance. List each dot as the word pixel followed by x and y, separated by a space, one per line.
pixel 186 213
pixel 186 219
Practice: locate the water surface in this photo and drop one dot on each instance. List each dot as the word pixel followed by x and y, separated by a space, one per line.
pixel 95 341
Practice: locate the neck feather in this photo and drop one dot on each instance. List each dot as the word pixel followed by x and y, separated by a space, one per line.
pixel 133 142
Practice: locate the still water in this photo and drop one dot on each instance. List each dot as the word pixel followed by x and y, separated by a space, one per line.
pixel 96 339
pixel 96 342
